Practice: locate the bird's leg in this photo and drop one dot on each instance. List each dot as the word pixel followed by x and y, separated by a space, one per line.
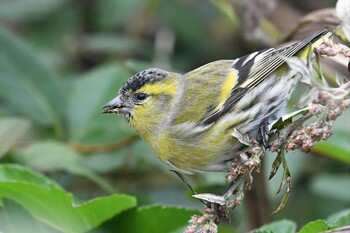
pixel 183 178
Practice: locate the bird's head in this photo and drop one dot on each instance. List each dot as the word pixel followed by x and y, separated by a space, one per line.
pixel 146 98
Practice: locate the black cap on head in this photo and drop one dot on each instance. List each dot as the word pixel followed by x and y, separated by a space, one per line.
pixel 140 79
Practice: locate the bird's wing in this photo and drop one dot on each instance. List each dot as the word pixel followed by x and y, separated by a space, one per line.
pixel 256 67
pixel 213 89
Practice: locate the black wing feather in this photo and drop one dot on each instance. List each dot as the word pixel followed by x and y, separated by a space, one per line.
pixel 257 71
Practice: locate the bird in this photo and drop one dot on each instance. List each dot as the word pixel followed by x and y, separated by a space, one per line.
pixel 188 119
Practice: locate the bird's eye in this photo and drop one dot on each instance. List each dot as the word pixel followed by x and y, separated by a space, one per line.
pixel 141 96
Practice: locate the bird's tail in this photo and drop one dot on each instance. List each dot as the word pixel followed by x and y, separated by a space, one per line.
pixel 316 40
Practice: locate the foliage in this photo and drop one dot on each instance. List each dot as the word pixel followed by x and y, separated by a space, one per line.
pixel 46 201
pixel 49 203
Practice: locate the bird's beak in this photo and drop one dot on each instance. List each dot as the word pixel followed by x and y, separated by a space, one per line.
pixel 117 105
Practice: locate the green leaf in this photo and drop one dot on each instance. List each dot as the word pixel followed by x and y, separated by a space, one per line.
pixel 340 219
pixel 315 227
pixel 164 219
pixel 51 156
pixel 281 226
pixel 86 123
pixel 49 203
pixel 28 86
pixel 11 131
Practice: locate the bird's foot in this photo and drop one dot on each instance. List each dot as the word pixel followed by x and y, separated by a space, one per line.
pixel 263 134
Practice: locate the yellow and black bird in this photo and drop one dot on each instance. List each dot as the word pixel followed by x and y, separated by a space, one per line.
pixel 188 119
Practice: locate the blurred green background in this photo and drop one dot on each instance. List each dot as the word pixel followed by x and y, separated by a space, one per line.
pixel 61 60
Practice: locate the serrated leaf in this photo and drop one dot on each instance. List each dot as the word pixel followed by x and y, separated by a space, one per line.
pixel 11 131
pixel 27 86
pixel 340 219
pixel 49 203
pixel 281 226
pixel 164 219
pixel 315 227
